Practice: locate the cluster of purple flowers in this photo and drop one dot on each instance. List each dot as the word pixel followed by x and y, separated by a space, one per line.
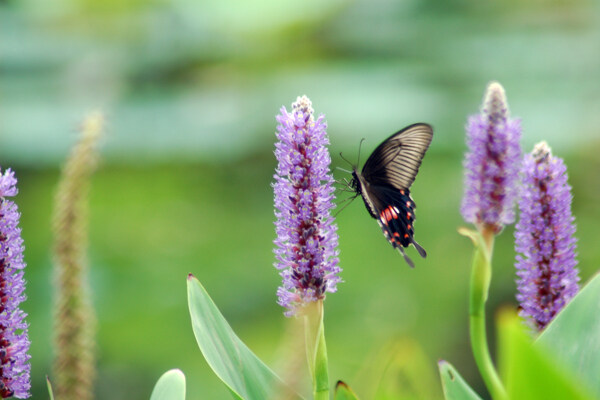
pixel 492 163
pixel 307 239
pixel 547 277
pixel 544 238
pixel 14 342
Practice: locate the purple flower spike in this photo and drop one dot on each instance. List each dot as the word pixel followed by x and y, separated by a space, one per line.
pixel 307 239
pixel 14 342
pixel 544 238
pixel 492 163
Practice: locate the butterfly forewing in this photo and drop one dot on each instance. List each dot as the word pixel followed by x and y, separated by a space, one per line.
pixel 397 160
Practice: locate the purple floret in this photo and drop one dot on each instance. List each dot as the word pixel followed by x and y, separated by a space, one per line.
pixel 307 239
pixel 14 342
pixel 491 163
pixel 546 264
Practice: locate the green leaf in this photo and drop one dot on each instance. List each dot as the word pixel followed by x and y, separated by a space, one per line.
pixel 573 336
pixel 529 372
pixel 232 361
pixel 455 387
pixel 170 386
pixel 50 392
pixel 344 392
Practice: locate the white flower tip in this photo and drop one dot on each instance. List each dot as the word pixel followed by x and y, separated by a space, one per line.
pixel 541 151
pixel 495 86
pixel 92 125
pixel 494 102
pixel 303 104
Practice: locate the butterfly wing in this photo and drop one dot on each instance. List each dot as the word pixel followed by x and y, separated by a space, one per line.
pixel 396 161
pixel 385 181
pixel 395 212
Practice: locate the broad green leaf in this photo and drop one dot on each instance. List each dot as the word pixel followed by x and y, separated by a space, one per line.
pixel 573 336
pixel 50 392
pixel 344 392
pixel 455 387
pixel 170 386
pixel 529 372
pixel 232 361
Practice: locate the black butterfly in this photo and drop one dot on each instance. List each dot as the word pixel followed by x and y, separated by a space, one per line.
pixel 385 181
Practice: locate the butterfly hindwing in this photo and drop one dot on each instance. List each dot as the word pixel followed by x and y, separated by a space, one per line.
pixel 396 216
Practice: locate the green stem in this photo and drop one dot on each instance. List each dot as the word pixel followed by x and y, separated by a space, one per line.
pixel 481 276
pixel 316 350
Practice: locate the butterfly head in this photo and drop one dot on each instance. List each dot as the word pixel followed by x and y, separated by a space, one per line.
pixel 355 183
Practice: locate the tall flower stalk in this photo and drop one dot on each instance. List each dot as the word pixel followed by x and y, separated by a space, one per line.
pixel 544 238
pixel 306 244
pixel 74 365
pixel 491 178
pixel 14 341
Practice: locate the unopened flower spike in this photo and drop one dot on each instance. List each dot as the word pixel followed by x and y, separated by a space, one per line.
pixel 14 341
pixel 544 241
pixel 306 244
pixel 492 163
pixel 75 319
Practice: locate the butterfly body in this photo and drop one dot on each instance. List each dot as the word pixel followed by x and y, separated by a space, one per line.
pixel 385 180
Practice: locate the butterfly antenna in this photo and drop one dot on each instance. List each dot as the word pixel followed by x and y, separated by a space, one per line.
pixel 359 147
pixel 344 158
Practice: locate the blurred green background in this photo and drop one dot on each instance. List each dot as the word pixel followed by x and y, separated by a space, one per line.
pixel 191 89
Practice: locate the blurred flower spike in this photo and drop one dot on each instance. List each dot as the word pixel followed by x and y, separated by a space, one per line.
pixel 492 163
pixel 306 244
pixel 544 238
pixel 14 342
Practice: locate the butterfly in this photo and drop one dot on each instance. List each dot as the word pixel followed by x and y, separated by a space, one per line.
pixel 385 180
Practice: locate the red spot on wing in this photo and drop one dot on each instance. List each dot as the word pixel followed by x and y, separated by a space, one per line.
pixel 382 218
